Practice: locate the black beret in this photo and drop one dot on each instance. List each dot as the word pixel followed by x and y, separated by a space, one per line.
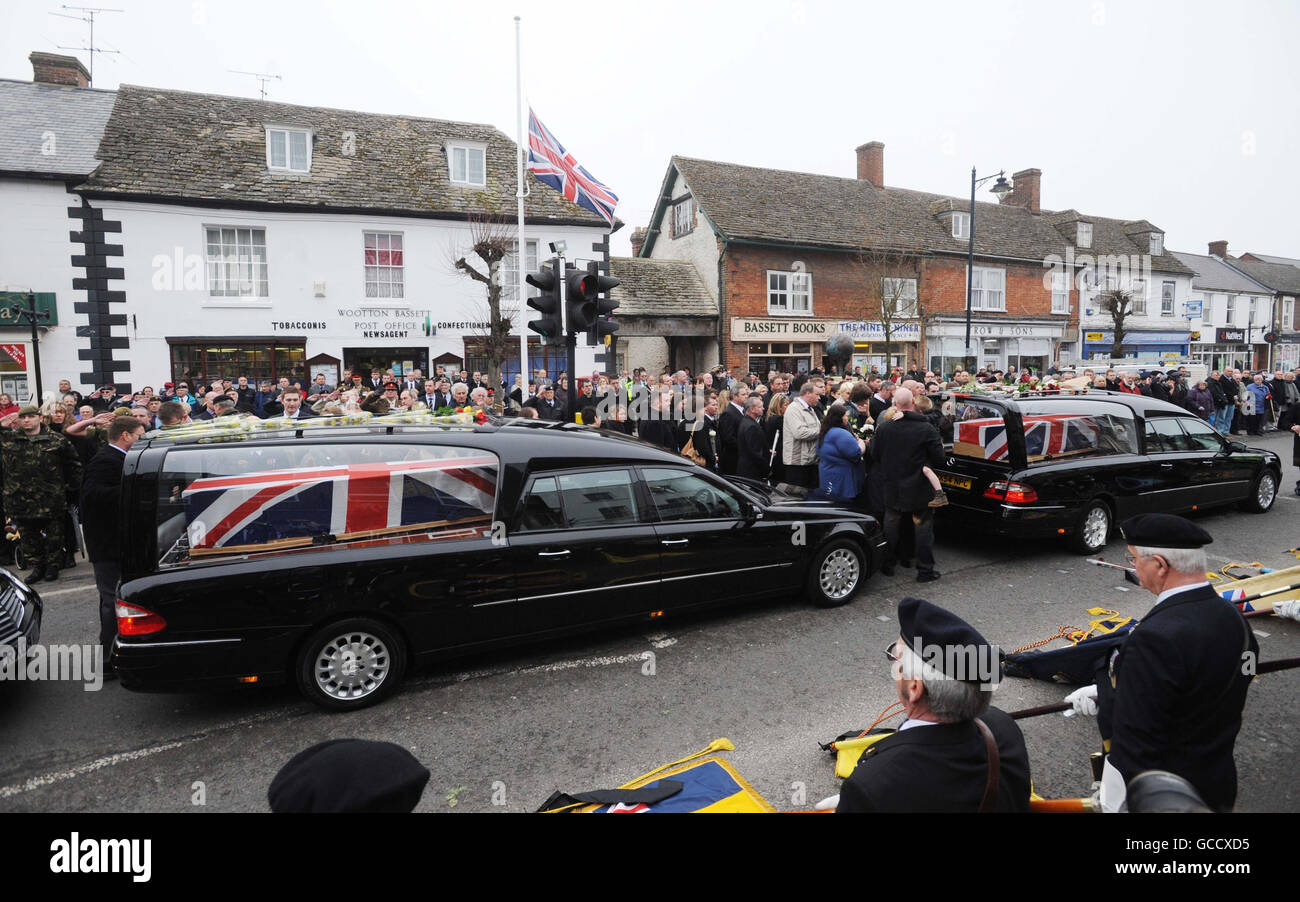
pixel 947 643
pixel 349 775
pixel 1164 531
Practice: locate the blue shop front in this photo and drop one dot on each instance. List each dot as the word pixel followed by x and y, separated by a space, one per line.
pixel 1137 344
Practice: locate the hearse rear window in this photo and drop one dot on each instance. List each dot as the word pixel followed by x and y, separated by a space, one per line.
pixel 1053 430
pixel 978 429
pixel 237 500
pixel 1056 430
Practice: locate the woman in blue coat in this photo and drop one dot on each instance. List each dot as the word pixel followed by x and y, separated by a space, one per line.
pixel 839 458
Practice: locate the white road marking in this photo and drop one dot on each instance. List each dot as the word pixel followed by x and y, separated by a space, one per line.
pixel 603 661
pixel 45 595
pixel 60 776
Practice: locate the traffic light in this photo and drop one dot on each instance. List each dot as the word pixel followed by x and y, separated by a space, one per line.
pixel 579 300
pixel 603 324
pixel 548 325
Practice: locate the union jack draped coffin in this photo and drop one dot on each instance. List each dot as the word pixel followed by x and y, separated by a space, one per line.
pixel 348 501
pixel 552 164
pixel 1052 434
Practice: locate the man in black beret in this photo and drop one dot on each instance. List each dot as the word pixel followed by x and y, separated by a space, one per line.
pixel 349 775
pixel 1170 698
pixel 954 752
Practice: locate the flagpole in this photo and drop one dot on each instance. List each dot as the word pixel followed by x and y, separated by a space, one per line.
pixel 522 255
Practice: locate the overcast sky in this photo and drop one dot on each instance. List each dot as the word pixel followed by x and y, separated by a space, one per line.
pixel 1183 113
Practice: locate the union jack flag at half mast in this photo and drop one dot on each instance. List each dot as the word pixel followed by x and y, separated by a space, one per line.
pixel 552 164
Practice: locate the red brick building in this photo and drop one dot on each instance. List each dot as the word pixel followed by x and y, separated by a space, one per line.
pixel 792 258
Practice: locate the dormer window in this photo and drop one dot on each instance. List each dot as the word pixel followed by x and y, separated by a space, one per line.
pixel 1084 238
pixel 468 163
pixel 961 225
pixel 288 149
pixel 1157 244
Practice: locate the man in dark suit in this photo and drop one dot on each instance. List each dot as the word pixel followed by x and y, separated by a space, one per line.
pixel 702 433
pixel 101 497
pixel 291 399
pixel 751 442
pixel 413 383
pixel 1170 698
pixel 954 752
pixel 900 451
pixel 546 404
pixel 729 429
pixel 437 394
pixel 881 399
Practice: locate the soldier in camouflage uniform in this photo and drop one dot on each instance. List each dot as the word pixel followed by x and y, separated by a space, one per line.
pixel 41 473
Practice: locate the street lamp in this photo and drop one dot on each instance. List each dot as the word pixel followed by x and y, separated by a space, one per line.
pixel 1001 189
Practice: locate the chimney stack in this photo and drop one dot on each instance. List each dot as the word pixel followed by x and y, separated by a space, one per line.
pixel 1027 190
pixel 871 163
pixel 56 69
pixel 638 240
pixel 1219 248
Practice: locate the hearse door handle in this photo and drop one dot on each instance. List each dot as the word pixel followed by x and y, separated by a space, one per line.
pixel 673 541
pixel 564 553
pixel 1166 466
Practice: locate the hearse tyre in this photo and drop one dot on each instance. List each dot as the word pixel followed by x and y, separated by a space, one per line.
pixel 351 664
pixel 1094 526
pixel 837 572
pixel 1263 492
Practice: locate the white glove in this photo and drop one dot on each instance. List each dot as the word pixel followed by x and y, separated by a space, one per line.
pixel 1289 609
pixel 830 803
pixel 1084 700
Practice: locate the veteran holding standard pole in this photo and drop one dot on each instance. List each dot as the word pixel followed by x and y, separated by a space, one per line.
pixel 1172 694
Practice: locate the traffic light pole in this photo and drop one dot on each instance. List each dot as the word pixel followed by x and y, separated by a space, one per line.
pixel 570 340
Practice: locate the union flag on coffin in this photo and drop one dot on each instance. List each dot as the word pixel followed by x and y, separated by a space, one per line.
pixel 228 513
pixel 1048 434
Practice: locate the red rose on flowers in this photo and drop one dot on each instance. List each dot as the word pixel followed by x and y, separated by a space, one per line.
pixel 480 418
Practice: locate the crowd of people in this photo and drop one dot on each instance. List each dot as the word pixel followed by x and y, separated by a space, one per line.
pixel 813 433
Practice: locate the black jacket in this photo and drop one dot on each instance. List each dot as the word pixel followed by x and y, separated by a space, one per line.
pixel 899 451
pixel 728 436
pixel 1178 693
pixel 697 433
pixel 940 768
pixel 101 502
pixel 752 450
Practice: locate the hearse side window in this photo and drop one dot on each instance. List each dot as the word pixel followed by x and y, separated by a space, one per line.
pixel 1070 429
pixel 542 508
pixel 597 499
pixel 1201 435
pixel 241 499
pixel 1169 434
pixel 679 495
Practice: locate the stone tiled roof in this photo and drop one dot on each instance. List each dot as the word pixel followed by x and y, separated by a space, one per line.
pixel 1277 276
pixel 1273 258
pixel 1212 274
pixel 659 288
pixel 63 120
pixel 1116 237
pixel 745 202
pixel 208 148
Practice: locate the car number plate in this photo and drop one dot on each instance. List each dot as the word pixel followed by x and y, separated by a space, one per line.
pixel 955 482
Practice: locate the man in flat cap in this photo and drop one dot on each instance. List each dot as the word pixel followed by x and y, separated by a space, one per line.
pixel 954 752
pixel 1170 698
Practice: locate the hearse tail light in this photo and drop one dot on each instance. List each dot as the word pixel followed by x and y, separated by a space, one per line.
pixel 137 621
pixel 1011 492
